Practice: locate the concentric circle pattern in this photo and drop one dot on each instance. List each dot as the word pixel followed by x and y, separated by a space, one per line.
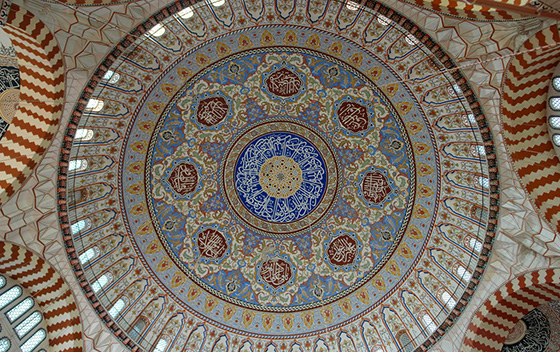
pixel 264 177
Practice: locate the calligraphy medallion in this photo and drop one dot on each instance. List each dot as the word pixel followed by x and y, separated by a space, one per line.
pixel 211 244
pixel 375 187
pixel 275 272
pixel 280 177
pixel 184 178
pixel 283 83
pixel 342 250
pixel 211 111
pixel 353 116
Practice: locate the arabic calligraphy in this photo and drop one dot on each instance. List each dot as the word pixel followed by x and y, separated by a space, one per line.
pixel 353 116
pixel 280 177
pixel 342 250
pixel 211 244
pixel 284 83
pixel 375 187
pixel 212 111
pixel 276 272
pixel 183 178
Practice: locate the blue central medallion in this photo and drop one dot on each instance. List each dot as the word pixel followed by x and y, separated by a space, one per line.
pixel 280 177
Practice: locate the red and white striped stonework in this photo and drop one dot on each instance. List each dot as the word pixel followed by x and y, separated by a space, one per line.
pixel 525 121
pixel 495 319
pixel 51 293
pixel 41 97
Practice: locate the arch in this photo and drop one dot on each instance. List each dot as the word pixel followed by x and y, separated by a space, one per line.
pixel 502 310
pixel 51 293
pixel 42 83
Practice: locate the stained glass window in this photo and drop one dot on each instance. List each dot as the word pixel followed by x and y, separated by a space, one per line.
pixel 28 324
pixel 112 77
pixel 77 165
pixel 117 308
pixel 101 282
pixel 554 121
pixel 428 322
pixel 556 139
pixel 484 182
pixel 475 245
pixel 448 300
pixel 137 329
pixel 20 309
pixel 34 341
pixel 556 83
pixel 80 226
pixel 9 296
pixel 463 273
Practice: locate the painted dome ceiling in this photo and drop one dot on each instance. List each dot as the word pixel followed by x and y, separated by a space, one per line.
pixel 255 175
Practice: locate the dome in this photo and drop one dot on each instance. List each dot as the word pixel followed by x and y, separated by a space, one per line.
pixel 281 177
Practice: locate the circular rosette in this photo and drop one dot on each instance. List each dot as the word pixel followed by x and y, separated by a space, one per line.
pixel 276 273
pixel 354 115
pixel 210 110
pixel 342 251
pixel 376 188
pixel 179 179
pixel 283 82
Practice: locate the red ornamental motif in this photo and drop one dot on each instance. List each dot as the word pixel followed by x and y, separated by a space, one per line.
pixel 276 272
pixel 375 187
pixel 283 83
pixel 211 111
pixel 184 178
pixel 353 116
pixel 342 250
pixel 211 244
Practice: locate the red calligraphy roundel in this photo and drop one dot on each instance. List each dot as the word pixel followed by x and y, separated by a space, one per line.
pixel 211 244
pixel 342 250
pixel 283 83
pixel 276 272
pixel 353 116
pixel 184 178
pixel 375 187
pixel 211 111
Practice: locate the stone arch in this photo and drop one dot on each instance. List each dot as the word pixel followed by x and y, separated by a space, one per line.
pixel 50 291
pixel 502 310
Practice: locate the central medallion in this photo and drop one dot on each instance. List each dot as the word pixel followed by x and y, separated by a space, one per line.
pixel 280 177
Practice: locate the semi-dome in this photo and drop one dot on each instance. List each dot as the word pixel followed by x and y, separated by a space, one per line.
pixel 280 177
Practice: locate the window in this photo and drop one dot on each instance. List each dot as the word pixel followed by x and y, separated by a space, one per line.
pixel 448 300
pixel 157 31
pixel 77 165
pixel 101 282
pixel 384 21
pixel 186 13
pixel 112 77
pixel 28 324
pixel 80 226
pixel 483 181
pixel 554 121
pixel 405 341
pixel 19 310
pixel 352 5
pixel 556 139
pixel 94 105
pixel 9 296
pixel 161 345
pixel 117 308
pixel 428 323
pixel 475 244
pixel 217 3
pixel 469 120
pixel 478 150
pixel 410 39
pixel 83 134
pixel 463 273
pixel 137 329
pixel 89 255
pixel 5 344
pixel 34 341
pixel 2 282
pixel 556 83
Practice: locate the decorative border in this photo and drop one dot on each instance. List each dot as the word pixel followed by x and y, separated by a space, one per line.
pixel 376 7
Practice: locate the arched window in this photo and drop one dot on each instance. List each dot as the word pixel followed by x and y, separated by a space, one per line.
pixel 478 151
pixel 411 40
pixel 2 282
pixel 384 21
pixel 157 31
pixel 77 165
pixel 94 105
pixel 556 139
pixel 111 76
pixel 446 298
pixel 34 341
pixel 556 83
pixel 19 310
pixel 89 255
pixel 5 344
pixel 554 122
pixel 83 134
pixel 80 226
pixel 137 329
pixel 9 296
pixel 101 282
pixel 484 182
pixel 186 13
pixel 555 103
pixel 428 322
pixel 404 341
pixel 28 324
pixel 468 120
pixel 117 308
pixel 463 273
pixel 217 3
pixel 161 345
pixel 352 5
pixel 474 244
